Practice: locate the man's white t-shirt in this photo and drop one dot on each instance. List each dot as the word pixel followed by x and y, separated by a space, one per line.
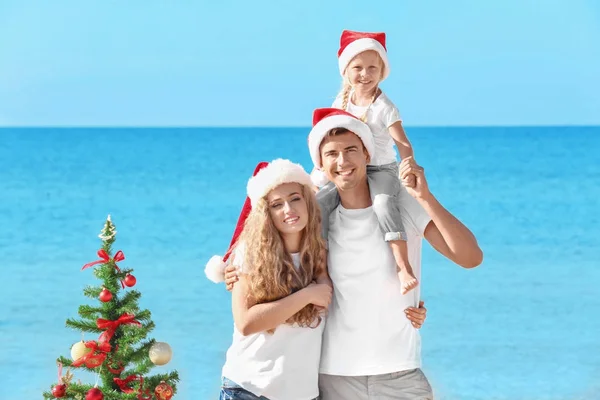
pixel 367 332
pixel 280 366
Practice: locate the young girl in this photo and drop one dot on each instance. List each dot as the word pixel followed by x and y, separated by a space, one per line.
pixel 363 64
pixel 282 289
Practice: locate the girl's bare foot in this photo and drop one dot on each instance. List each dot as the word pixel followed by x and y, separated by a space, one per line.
pixel 408 280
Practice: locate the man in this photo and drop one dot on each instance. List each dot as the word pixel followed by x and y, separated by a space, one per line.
pixel 370 350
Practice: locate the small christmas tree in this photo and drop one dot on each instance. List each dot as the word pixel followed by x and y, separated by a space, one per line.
pixel 121 357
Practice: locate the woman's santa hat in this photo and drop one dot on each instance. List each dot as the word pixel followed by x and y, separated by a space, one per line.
pixel 326 119
pixel 276 173
pixel 266 177
pixel 353 43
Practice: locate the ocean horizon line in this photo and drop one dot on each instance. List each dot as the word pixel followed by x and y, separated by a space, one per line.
pixel 271 127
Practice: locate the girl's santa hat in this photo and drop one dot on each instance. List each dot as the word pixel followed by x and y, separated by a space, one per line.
pixel 266 177
pixel 326 119
pixel 353 43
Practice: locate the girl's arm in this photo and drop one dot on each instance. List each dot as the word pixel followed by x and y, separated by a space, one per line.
pixel 402 143
pixel 252 318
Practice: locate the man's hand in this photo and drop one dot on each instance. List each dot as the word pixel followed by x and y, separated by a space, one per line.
pixel 408 167
pixel 319 294
pixel 417 316
pixel 231 277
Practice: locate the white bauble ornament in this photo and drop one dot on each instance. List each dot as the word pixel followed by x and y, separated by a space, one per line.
pixel 79 350
pixel 160 353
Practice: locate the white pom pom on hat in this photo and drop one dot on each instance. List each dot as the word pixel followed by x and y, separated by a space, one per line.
pixel 318 178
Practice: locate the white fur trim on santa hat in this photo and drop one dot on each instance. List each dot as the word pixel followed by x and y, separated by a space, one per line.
pixel 359 46
pixel 276 173
pixel 215 269
pixel 318 132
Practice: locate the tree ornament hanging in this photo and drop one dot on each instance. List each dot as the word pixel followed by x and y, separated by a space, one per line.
pixel 130 280
pixel 79 350
pixel 94 394
pixel 105 295
pixel 60 390
pixel 163 391
pixel 160 353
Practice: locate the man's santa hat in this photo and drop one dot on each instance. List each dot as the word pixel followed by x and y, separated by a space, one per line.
pixel 266 177
pixel 353 43
pixel 326 119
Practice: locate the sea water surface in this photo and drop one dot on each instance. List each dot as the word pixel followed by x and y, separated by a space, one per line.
pixel 524 325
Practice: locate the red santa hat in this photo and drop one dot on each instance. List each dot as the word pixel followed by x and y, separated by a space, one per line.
pixel 266 177
pixel 276 173
pixel 353 43
pixel 326 119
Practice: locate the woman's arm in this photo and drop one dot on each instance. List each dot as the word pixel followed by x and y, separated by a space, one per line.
pixel 252 318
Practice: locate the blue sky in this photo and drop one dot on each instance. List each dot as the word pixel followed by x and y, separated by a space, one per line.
pixel 270 63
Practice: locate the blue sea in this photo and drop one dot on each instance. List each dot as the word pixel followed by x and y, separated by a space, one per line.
pixel 525 325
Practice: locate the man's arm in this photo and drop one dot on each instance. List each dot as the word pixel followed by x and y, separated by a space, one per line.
pixel 445 232
pixel 323 276
pixel 451 237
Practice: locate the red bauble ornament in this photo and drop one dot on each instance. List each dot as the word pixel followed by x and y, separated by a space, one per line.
pixel 59 391
pixel 129 280
pixel 94 394
pixel 163 391
pixel 105 295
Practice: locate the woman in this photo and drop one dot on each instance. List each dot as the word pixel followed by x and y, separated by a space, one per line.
pixel 282 291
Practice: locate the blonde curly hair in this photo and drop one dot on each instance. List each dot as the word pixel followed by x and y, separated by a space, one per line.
pixel 269 268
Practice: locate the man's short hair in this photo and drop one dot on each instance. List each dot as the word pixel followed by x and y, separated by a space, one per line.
pixel 337 131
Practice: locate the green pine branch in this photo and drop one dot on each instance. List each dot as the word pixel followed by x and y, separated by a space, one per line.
pixel 129 300
pixel 141 353
pixel 81 325
pixel 92 291
pixel 86 311
pixel 172 378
